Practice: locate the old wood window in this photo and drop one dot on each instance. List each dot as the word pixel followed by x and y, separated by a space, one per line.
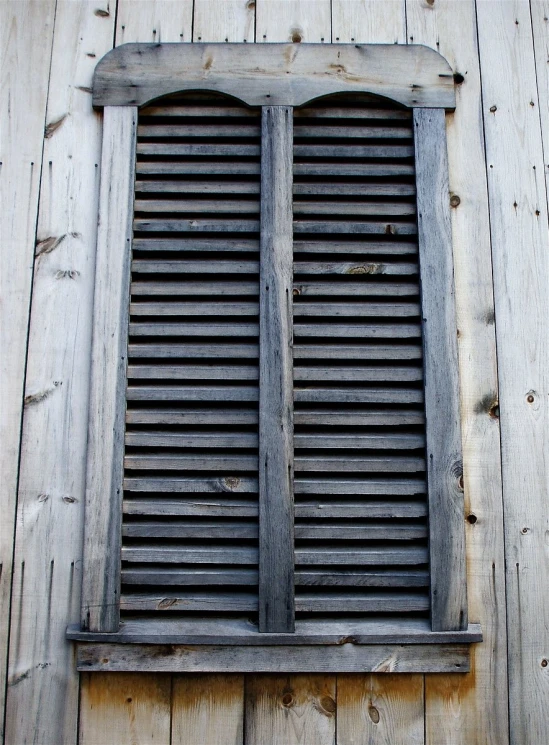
pixel 274 452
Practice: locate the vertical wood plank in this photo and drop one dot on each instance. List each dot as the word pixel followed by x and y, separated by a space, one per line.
pixel 125 709
pixel 154 21
pixel 42 702
pixel 26 35
pixel 276 503
pixel 380 710
pixel 290 709
pixel 293 20
pixel 540 31
pixel 369 21
pixel 471 708
pixel 208 710
pixel 230 20
pixel 440 363
pixel 520 255
pixel 104 473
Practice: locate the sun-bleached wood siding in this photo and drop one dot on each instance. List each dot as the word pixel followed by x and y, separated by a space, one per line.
pixel 498 143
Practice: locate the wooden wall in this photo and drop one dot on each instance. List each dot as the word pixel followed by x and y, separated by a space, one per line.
pixel 499 150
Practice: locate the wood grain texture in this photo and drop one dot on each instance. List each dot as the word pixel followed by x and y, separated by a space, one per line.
pixel 125 709
pixel 379 710
pixel 351 658
pixel 514 150
pixel 369 21
pixel 440 364
pixel 276 429
pixel 290 709
pixel 208 710
pixel 291 74
pixel 230 20
pixel 104 473
pixel 540 30
pixel 43 696
pixel 153 21
pixel 293 20
pixel 26 37
pixel 473 708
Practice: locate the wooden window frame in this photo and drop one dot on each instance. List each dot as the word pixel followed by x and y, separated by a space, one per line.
pixel 276 77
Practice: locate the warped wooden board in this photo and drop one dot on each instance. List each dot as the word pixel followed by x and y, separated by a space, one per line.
pixel 207 710
pixel 479 700
pixel 153 20
pixel 369 21
pixel 26 34
pixel 380 710
pixel 48 548
pixel 230 20
pixel 274 74
pixel 291 709
pixel 125 709
pixel 293 20
pixel 520 254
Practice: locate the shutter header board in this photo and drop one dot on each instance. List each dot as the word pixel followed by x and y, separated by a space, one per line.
pixel 274 74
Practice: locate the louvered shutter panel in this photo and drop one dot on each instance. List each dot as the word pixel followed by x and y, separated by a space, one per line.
pixel 190 514
pixel 360 488
pixel 190 522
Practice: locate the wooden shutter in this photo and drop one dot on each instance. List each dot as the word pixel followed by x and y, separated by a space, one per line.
pixel 190 522
pixel 360 488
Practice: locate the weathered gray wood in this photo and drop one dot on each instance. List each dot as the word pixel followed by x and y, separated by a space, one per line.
pixel 196 308
pixel 335 112
pixel 328 555
pixel 210 206
pixel 310 150
pixel 357 310
pixel 358 190
pixel 346 169
pixel 357 352
pixel 214 287
pixel 347 131
pixel 356 331
pixel 337 227
pixel 216 187
pixel 310 632
pixel 101 577
pixel 197 507
pixel 189 485
pixel 194 329
pixel 197 225
pixel 357 374
pixel 350 485
pixel 380 577
pixel 197 577
pixel 236 462
pixel 197 266
pixel 358 395
pixel 192 393
pixel 356 531
pixel 186 529
pixel 290 75
pixel 193 372
pixel 185 601
pixel 192 416
pixel 362 602
pixel 337 464
pixel 355 268
pixel 355 286
pixel 156 658
pixel 219 149
pixel 390 441
pixel 276 521
pixel 191 555
pixel 194 244
pixel 444 458
pixel 357 416
pixel 224 129
pixel 364 248
pixel 326 207
pixel 202 168
pixel 325 509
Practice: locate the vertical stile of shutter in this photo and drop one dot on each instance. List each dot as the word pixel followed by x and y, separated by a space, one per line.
pixel 190 528
pixel 360 484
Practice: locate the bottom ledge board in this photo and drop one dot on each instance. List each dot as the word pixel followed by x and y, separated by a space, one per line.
pixel 347 658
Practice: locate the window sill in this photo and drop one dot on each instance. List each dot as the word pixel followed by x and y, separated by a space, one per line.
pixel 209 646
